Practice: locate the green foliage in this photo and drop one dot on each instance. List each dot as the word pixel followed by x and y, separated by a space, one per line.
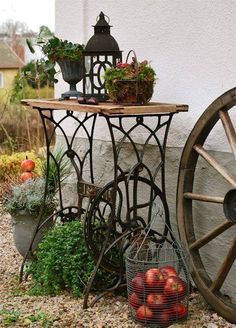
pixel 55 48
pixel 33 84
pixel 55 174
pixel 63 262
pixel 134 71
pixel 10 316
pixel 28 197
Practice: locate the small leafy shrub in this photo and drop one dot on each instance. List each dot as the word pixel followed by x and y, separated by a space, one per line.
pixel 9 317
pixel 12 317
pixel 63 262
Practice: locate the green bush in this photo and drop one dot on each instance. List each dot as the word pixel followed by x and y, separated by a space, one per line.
pixel 63 263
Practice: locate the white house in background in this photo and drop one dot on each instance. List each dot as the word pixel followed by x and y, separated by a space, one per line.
pixel 191 45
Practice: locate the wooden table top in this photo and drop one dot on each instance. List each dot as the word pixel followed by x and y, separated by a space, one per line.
pixel 105 108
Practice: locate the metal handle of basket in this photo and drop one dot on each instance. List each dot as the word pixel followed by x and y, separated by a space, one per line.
pixel 135 60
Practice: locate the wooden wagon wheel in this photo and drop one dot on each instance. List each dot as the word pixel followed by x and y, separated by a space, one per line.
pixel 196 158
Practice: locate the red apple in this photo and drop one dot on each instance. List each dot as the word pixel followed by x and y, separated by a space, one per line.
pixel 175 288
pixel 26 176
pixel 164 317
pixel 155 279
pixel 179 311
pixel 138 283
pixel 168 271
pixel 134 300
pixel 27 165
pixel 144 313
pixel 157 301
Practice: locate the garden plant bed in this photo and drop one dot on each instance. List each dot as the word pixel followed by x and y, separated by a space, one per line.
pixel 18 309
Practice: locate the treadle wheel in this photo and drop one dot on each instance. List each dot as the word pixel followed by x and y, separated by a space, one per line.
pixel 100 221
pixel 207 220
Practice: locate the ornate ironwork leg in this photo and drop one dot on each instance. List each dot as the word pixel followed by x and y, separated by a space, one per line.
pixel 107 223
pixel 84 188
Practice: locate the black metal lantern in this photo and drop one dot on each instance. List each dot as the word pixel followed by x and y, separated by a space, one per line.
pixel 102 51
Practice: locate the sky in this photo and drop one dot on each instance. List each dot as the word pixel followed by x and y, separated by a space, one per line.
pixel 33 12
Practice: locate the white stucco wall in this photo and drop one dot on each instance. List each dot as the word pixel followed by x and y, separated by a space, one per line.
pixel 191 44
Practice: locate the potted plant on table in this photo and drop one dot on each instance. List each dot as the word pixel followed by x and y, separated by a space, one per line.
pixel 130 83
pixel 68 55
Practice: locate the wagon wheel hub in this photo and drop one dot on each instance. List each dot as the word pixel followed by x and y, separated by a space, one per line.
pixel 229 205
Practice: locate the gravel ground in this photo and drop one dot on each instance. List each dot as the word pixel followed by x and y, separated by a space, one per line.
pixel 20 310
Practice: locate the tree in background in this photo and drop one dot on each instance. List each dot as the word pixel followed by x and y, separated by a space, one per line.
pixel 15 33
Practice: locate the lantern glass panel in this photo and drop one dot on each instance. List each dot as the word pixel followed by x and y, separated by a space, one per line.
pixel 95 66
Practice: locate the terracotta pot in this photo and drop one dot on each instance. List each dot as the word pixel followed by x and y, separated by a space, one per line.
pixel 24 225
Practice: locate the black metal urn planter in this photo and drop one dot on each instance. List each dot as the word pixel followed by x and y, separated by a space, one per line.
pixel 72 73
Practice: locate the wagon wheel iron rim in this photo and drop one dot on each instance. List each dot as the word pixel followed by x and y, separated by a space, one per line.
pixel 193 152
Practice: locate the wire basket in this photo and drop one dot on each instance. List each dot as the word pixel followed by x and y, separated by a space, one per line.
pixel 157 282
pixel 131 91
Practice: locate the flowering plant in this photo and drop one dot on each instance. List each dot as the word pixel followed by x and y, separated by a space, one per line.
pixel 130 82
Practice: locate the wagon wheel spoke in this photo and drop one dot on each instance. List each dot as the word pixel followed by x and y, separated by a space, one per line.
pixel 229 130
pixel 202 152
pixel 203 198
pixel 210 235
pixel 225 268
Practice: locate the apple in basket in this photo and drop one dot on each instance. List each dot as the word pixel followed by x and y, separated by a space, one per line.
pixel 134 300
pixel 157 301
pixel 179 311
pixel 175 288
pixel 155 279
pixel 164 317
pixel 138 283
pixel 144 313
pixel 168 271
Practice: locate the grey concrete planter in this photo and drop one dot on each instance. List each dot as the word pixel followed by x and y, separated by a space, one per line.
pixel 24 225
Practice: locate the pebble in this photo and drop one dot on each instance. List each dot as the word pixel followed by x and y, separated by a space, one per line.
pixel 212 325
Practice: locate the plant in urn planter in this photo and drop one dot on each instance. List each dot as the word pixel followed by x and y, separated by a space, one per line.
pixel 130 83
pixel 68 55
pixel 23 202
